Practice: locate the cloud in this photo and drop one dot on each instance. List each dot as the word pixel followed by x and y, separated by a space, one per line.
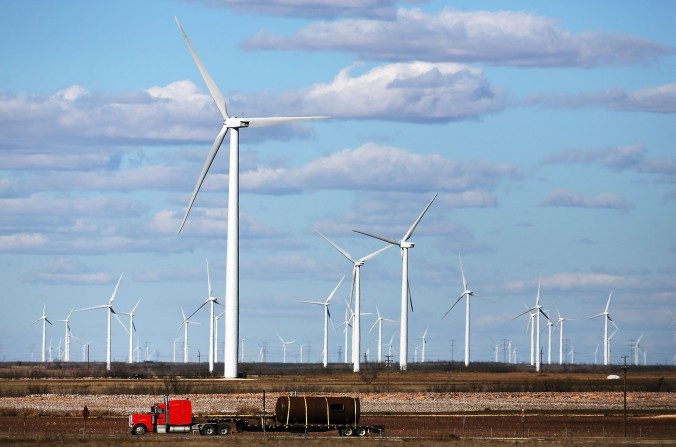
pixel 655 99
pixel 500 38
pixel 62 161
pixel 411 92
pixel 567 198
pixel 389 169
pixel 382 9
pixel 21 241
pixel 617 159
pixel 63 270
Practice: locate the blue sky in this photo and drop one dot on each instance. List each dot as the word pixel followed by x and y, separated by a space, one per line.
pixel 545 129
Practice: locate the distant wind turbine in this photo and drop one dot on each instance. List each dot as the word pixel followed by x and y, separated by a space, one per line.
pixel 67 336
pixel 379 322
pixel 284 343
pixel 184 324
pixel 356 290
pixel 404 244
pixel 132 329
pixel 536 311
pixel 110 312
pixel 327 316
pixel 606 317
pixel 637 346
pixel 44 320
pixel 423 341
pixel 234 124
pixel 211 300
pixel 559 323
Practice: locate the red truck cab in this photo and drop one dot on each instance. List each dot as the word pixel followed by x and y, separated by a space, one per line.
pixel 169 416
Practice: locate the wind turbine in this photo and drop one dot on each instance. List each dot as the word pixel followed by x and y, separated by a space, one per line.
pixel 66 337
pixel 132 329
pixel 596 351
pixel 404 244
pixel 356 289
pixel 110 312
pixel 185 323
pixel 424 343
pixel 327 316
pixel 284 343
pixel 389 345
pixel 559 323
pixel 216 318
pixel 44 320
pixel 550 325
pixel 535 311
pixel 467 293
pixel 211 300
pixel 610 338
pixel 379 322
pixel 637 346
pixel 234 124
pixel 606 317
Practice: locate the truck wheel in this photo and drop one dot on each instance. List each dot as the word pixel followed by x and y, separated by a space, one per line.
pixel 347 431
pixel 139 429
pixel 361 431
pixel 209 430
pixel 223 430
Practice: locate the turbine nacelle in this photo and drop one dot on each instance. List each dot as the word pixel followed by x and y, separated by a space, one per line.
pixel 232 122
pixel 406 244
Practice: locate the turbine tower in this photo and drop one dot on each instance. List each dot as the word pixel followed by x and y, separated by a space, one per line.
pixel 379 322
pixel 424 343
pixel 404 244
pixel 132 329
pixel 327 316
pixel 185 323
pixel 211 300
pixel 536 311
pixel 559 323
pixel 44 320
pixel 66 337
pixel 356 290
pixel 467 293
pixel 606 317
pixel 637 346
pixel 110 312
pixel 234 124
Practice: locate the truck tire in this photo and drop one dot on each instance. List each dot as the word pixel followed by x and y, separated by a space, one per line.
pixel 139 429
pixel 347 431
pixel 361 431
pixel 223 430
pixel 208 430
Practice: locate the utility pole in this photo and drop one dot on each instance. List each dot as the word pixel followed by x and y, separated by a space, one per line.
pixel 624 368
pixel 452 346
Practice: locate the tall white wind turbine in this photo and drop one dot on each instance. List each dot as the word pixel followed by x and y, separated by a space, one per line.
pixel 234 124
pixel 550 325
pixel 66 337
pixel 606 317
pixel 536 311
pixel 184 324
pixel 466 293
pixel 327 316
pixel 211 300
pixel 132 329
pixel 44 320
pixel 559 323
pixel 404 244
pixel 284 343
pixel 379 322
pixel 423 341
pixel 110 312
pixel 356 290
pixel 637 346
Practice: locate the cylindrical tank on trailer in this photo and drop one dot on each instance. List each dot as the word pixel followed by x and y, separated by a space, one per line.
pixel 317 410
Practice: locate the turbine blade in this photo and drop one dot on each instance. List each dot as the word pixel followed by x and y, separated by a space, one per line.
pixel 276 120
pixel 410 299
pixel 608 303
pixel 134 308
pixel 330 297
pixel 310 302
pixel 522 313
pixel 211 85
pixel 209 290
pixel 456 302
pixel 102 306
pixel 340 250
pixel 197 310
pixel 462 272
pixel 47 320
pixel 354 279
pixel 374 324
pixel 133 325
pixel 375 253
pixel 594 316
pixel 112 297
pixel 119 321
pixel 391 241
pixel 543 313
pixel 410 231
pixel 205 170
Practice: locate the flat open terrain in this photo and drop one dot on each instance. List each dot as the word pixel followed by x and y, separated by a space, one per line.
pixel 422 406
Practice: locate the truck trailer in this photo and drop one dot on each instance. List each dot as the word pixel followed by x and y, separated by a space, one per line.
pixel 293 414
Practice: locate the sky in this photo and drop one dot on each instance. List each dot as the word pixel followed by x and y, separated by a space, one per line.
pixel 544 128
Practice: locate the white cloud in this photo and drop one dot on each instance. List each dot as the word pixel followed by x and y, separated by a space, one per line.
pixel 567 198
pixel 21 241
pixel 576 281
pixel 310 8
pixel 384 168
pixel 502 38
pixel 654 99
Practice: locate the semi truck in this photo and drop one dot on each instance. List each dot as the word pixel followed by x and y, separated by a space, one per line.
pixel 293 414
